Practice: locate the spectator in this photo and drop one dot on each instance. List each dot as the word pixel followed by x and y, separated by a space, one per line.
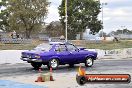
pixel 62 37
pixel 18 36
pixel 115 39
pixel 13 35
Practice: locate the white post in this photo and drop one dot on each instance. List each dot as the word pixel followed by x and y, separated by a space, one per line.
pixel 102 4
pixel 102 20
pixel 122 27
pixel 66 19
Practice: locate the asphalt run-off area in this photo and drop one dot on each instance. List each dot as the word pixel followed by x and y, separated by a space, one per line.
pixel 22 75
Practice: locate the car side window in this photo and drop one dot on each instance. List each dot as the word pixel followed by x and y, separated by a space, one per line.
pixel 60 48
pixel 71 47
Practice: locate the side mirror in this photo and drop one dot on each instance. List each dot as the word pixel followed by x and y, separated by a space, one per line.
pixel 77 50
pixel 57 50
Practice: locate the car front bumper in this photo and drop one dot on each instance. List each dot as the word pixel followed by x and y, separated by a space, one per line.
pixel 31 60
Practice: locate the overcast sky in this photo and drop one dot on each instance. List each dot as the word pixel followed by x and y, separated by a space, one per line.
pixel 117 13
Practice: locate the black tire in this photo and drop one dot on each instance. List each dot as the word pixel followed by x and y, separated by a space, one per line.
pixel 89 62
pixel 71 65
pixel 36 65
pixel 53 63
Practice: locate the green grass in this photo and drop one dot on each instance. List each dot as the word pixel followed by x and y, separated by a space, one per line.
pixel 104 45
pixel 110 45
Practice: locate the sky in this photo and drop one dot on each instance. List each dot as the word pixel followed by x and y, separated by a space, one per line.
pixel 117 14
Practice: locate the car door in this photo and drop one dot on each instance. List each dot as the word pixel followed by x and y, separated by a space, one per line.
pixel 62 53
pixel 74 53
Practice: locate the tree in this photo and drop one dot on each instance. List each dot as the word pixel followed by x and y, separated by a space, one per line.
pixel 82 15
pixel 27 14
pixel 4 16
pixel 124 31
pixel 55 29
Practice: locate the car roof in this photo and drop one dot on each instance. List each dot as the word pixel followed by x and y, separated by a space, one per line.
pixel 56 43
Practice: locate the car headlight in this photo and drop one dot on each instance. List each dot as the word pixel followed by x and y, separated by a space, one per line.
pixel 37 56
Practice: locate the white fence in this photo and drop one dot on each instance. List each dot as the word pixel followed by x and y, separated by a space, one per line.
pixel 43 37
pixel 8 40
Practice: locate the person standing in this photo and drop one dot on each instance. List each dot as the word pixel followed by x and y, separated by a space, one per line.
pixel 13 35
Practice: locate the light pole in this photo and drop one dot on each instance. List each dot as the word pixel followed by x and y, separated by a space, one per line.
pixel 66 19
pixel 102 7
pixel 122 27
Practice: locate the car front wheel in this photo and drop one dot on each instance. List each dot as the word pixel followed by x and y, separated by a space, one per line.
pixel 71 65
pixel 89 62
pixel 36 65
pixel 54 63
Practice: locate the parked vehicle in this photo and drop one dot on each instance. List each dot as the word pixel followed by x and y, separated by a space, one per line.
pixel 58 53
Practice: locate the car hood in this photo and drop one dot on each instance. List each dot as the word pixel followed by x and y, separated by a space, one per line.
pixel 94 53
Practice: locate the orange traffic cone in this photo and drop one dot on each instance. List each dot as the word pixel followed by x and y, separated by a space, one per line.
pixel 40 70
pixel 51 77
pixel 40 79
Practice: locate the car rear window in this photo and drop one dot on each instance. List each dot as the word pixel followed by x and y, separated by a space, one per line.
pixel 43 47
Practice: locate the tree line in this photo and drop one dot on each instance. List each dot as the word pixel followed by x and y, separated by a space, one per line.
pixel 29 15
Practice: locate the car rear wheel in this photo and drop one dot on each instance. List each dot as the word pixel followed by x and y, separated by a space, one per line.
pixel 89 62
pixel 54 63
pixel 36 65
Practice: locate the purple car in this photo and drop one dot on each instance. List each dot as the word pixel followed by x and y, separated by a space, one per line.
pixel 56 54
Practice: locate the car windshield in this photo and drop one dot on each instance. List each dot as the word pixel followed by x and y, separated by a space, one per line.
pixel 71 47
pixel 43 47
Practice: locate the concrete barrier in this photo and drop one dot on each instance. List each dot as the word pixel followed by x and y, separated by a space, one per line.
pixel 115 54
pixel 119 53
pixel 10 56
pixel 13 56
